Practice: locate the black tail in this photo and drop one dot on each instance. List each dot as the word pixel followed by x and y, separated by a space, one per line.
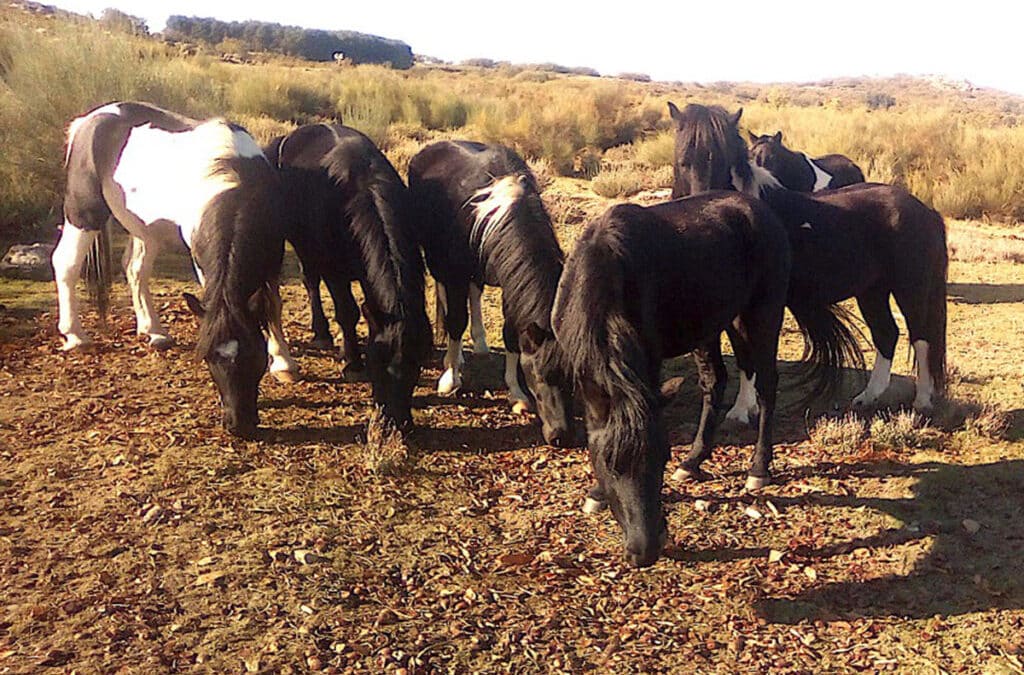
pixel 935 326
pixel 98 275
pixel 601 347
pixel 830 343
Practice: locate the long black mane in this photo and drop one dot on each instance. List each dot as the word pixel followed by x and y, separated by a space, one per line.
pixel 239 246
pixel 708 134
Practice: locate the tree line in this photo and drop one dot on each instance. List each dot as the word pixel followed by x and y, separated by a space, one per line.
pixel 307 43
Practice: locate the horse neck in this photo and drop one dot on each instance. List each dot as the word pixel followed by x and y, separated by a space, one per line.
pixel 527 261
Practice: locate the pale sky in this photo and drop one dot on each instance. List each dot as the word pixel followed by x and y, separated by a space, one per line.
pixel 707 41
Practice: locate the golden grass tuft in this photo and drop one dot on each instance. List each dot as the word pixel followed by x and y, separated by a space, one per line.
pixel 903 429
pixel 843 434
pixel 385 453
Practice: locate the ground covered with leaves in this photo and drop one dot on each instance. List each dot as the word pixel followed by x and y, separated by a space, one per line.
pixel 135 535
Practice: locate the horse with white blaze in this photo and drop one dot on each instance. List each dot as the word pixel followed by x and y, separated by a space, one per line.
pixel 155 171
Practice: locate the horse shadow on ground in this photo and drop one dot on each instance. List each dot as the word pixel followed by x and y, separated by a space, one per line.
pixel 962 572
pixel 986 294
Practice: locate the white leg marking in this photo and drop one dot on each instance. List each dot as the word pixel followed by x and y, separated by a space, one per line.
pixel 878 383
pixel 745 409
pixel 452 378
pixel 515 392
pixel 476 321
pixel 138 270
pixel 925 383
pixel 67 267
pixel 282 366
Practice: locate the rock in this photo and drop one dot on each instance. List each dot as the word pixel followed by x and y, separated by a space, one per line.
pixel 28 261
pixel 972 526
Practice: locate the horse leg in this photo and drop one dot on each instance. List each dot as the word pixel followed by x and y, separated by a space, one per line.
pixel 914 305
pixel 874 307
pixel 321 329
pixel 346 313
pixel 760 329
pixel 282 366
pixel 519 399
pixel 141 254
pixel 713 377
pixel 67 261
pixel 456 318
pixel 477 330
pixel 745 410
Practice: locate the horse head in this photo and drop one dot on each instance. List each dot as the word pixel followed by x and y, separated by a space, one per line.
pixel 708 149
pixel 548 382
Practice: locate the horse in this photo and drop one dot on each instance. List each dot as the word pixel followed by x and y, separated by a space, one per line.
pixel 351 220
pixel 155 171
pixel 645 284
pixel 482 222
pixel 866 241
pixel 797 171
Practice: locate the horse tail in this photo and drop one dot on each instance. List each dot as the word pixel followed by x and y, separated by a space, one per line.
pixel 601 347
pixel 935 325
pixel 98 275
pixel 830 343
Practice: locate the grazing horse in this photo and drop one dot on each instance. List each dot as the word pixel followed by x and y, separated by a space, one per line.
pixel 645 284
pixel 865 241
pixel 483 223
pixel 797 171
pixel 351 221
pixel 152 170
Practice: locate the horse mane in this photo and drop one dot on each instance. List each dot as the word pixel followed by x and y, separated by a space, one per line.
pixel 711 130
pixel 379 210
pixel 601 346
pixel 516 243
pixel 236 246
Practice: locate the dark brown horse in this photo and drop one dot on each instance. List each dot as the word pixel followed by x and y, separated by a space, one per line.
pixel 866 241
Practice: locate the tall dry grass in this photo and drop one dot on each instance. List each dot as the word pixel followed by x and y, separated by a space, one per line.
pixel 615 132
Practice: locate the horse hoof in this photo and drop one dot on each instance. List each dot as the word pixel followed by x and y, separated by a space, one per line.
pixel 592 506
pixel 353 374
pixel 160 342
pixel 321 343
pixel 521 408
pixel 449 383
pixel 74 342
pixel 287 376
pixel 755 483
pixel 683 473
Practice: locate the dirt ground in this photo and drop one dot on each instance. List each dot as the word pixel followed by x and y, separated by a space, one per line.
pixel 136 536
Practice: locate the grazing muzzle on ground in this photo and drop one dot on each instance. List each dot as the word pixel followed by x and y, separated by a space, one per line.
pixel 237 368
pixel 549 384
pixel 393 375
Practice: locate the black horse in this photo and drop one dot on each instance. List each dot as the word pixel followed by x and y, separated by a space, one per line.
pixel 351 221
pixel 483 223
pixel 797 171
pixel 645 284
pixel 153 171
pixel 866 241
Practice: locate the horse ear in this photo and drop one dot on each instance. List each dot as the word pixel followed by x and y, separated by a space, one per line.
pixel 674 112
pixel 533 337
pixel 778 136
pixel 194 305
pixel 735 119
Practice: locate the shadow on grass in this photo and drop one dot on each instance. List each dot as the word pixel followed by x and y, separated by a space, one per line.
pixel 962 572
pixel 986 294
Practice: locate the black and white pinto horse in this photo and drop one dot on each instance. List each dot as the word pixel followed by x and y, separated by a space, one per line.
pixel 645 284
pixel 351 220
pixel 866 241
pixel 483 223
pixel 151 171
pixel 797 171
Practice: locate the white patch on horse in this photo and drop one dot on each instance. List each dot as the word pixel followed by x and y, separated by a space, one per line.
pixel 451 380
pixel 760 179
pixel 228 350
pixel 173 176
pixel 109 109
pixel 492 206
pixel 476 321
pixel 745 409
pixel 878 383
pixel 925 383
pixel 515 392
pixel 821 179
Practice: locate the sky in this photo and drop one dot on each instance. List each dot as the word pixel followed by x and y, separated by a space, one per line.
pixel 709 41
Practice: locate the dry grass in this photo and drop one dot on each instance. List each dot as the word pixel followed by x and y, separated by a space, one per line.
pixel 840 435
pixel 971 243
pixel 899 430
pixel 385 452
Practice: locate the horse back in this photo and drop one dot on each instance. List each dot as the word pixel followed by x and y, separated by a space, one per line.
pixel 843 170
